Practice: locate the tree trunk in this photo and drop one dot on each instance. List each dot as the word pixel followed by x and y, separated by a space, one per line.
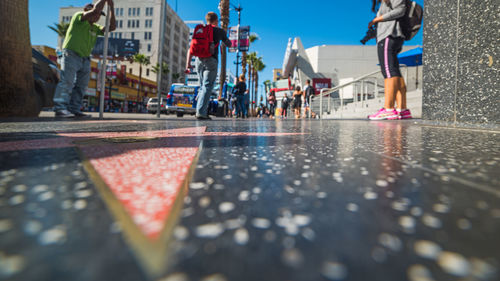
pixel 17 96
pixel 256 87
pixel 224 18
pixel 244 64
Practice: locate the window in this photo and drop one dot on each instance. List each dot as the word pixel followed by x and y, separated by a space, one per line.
pixel 133 11
pixel 120 35
pixel 148 23
pixel 137 23
pixel 121 24
pixel 132 36
pixel 149 47
pixel 130 71
pixel 121 12
pixel 138 11
pixel 149 11
pixel 148 35
pixel 129 12
pixel 147 72
pixel 133 24
pixel 128 24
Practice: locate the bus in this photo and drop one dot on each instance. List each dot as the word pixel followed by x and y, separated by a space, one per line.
pixel 182 100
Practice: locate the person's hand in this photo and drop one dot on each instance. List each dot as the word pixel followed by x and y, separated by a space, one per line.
pixel 375 21
pixel 188 68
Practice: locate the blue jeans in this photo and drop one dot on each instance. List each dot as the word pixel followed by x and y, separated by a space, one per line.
pixel 240 105
pixel 75 76
pixel 207 71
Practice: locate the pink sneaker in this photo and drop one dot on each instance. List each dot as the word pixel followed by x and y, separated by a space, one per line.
pixel 405 114
pixel 384 114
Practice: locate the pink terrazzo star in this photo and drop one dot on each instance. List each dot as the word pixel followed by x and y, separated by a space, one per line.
pixel 146 177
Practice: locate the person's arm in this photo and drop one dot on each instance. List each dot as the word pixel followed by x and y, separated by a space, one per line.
pixel 188 62
pixel 94 14
pixel 225 40
pixel 397 12
pixel 188 59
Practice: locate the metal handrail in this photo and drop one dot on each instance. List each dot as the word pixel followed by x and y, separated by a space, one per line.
pixel 325 92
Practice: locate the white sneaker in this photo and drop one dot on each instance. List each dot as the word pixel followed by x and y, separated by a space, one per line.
pixel 64 114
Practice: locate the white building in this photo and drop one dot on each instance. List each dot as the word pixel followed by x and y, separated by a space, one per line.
pixel 140 20
pixel 339 63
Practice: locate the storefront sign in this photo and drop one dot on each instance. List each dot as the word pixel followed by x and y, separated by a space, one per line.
pixel 91 92
pixel 118 96
pixel 321 83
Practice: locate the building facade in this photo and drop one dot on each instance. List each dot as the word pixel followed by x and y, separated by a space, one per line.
pixel 141 20
pixel 337 64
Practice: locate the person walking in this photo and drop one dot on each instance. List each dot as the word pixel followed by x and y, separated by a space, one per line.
pixel 285 103
pixel 297 101
pixel 75 62
pixel 308 93
pixel 240 93
pixel 205 47
pixel 390 41
pixel 272 103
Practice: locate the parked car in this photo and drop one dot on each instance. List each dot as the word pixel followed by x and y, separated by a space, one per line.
pixel 152 105
pixel 46 76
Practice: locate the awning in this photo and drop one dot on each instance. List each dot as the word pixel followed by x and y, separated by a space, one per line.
pixel 411 57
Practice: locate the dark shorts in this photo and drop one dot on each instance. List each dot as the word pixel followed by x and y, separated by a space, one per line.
pixel 388 50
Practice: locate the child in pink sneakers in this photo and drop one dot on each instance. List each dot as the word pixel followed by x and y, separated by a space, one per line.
pixel 390 41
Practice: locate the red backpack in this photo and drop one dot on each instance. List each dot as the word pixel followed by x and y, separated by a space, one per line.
pixel 202 45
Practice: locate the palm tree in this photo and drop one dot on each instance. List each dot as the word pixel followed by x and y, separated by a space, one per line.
pixel 224 20
pixel 17 97
pixel 251 58
pixel 258 67
pixel 165 68
pixel 61 29
pixel 252 38
pixel 175 77
pixel 141 60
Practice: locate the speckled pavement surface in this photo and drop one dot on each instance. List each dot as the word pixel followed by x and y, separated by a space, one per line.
pixel 267 200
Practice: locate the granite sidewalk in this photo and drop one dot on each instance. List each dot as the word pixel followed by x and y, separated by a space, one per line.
pixel 178 199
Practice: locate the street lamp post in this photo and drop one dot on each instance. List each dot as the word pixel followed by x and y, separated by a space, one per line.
pixel 160 55
pixel 238 9
pixel 104 65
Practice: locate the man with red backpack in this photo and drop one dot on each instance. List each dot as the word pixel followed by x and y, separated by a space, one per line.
pixel 205 47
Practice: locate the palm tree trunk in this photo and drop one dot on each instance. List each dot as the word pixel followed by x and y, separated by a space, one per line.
pixel 244 64
pixel 17 97
pixel 256 87
pixel 224 18
pixel 250 98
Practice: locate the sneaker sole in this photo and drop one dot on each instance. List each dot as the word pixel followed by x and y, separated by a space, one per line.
pixel 383 118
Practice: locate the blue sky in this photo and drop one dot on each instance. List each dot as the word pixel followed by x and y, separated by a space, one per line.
pixel 317 22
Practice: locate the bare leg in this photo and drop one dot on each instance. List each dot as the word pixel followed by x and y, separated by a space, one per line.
pixel 401 93
pixel 391 86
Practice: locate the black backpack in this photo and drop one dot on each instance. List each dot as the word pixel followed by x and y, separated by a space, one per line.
pixel 310 92
pixel 411 22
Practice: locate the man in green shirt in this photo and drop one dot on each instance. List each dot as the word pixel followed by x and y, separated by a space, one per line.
pixel 75 64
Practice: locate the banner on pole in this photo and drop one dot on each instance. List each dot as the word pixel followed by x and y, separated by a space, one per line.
pixel 244 38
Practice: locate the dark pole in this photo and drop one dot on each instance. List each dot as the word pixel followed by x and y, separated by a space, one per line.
pixel 239 9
